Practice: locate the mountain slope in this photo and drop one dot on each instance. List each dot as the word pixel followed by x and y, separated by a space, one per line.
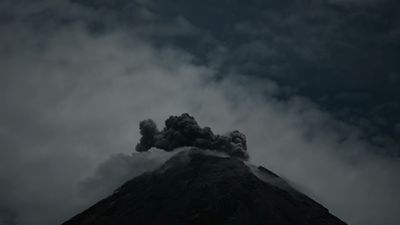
pixel 197 188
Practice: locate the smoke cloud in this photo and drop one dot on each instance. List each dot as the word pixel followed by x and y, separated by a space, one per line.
pixel 182 131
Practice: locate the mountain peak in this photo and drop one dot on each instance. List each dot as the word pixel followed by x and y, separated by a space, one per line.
pixel 207 182
pixel 196 187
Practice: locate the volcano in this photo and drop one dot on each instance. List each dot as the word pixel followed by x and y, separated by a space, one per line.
pixel 200 186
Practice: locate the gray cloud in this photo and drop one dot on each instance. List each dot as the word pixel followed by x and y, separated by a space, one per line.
pixel 183 131
pixel 72 99
pixel 118 169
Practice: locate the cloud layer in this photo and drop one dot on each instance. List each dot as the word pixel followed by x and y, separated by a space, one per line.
pixel 72 99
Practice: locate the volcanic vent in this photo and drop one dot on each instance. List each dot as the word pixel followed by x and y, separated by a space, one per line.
pixel 208 182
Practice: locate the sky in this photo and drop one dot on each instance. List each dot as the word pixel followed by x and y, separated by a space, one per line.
pixel 312 84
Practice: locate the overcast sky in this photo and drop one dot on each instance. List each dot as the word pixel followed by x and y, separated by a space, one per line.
pixel 312 84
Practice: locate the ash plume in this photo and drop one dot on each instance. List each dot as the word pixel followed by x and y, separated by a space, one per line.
pixel 183 130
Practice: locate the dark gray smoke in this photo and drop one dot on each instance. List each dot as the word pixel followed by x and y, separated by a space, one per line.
pixel 180 131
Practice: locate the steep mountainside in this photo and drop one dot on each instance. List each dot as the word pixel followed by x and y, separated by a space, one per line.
pixel 198 188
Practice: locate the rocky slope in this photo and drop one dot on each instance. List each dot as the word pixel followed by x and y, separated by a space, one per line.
pixel 197 187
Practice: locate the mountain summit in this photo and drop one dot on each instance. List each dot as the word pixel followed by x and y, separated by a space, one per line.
pixel 203 186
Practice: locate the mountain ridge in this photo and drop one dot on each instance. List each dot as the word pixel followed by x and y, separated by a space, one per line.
pixel 197 187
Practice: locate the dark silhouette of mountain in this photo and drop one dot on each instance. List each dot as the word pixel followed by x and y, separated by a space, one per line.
pixel 209 182
pixel 198 187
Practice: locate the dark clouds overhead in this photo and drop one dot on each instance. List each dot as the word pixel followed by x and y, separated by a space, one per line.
pixel 323 50
pixel 312 84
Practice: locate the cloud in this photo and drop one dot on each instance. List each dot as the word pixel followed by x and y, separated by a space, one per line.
pixel 72 100
pixel 118 169
pixel 183 131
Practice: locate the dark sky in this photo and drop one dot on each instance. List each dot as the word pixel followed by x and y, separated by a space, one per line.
pixel 343 55
pixel 313 84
